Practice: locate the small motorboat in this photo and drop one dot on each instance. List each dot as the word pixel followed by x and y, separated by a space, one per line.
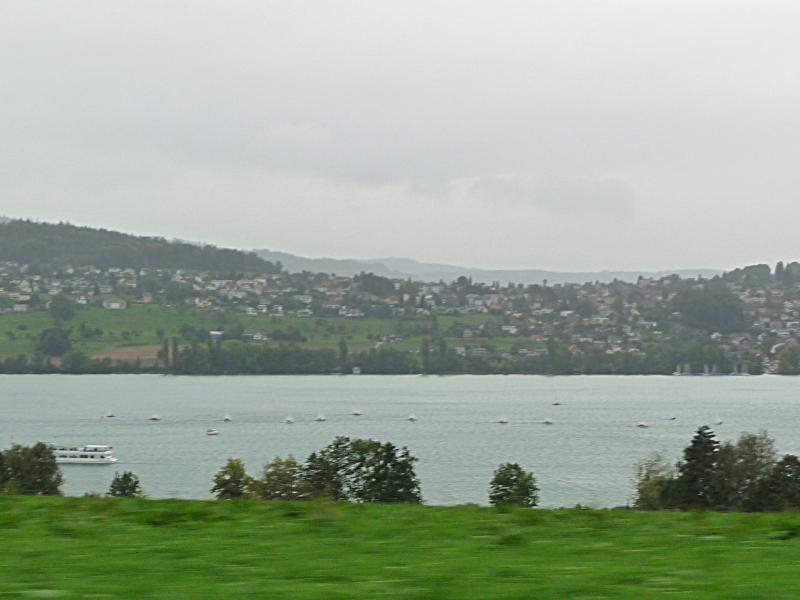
pixel 110 415
pixel 556 403
pixel 672 419
pixel 356 413
pixel 502 421
pixel 718 421
pixel 288 420
pixel 212 431
pixel 320 418
pixel 226 419
pixel 642 425
pixel 547 422
pixel 154 418
pixel 412 417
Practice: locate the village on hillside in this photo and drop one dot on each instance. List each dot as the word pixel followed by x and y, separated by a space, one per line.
pixel 749 318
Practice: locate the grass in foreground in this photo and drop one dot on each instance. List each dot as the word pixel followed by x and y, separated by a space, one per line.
pixel 117 548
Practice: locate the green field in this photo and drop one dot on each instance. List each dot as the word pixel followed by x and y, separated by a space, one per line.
pixel 117 548
pixel 139 325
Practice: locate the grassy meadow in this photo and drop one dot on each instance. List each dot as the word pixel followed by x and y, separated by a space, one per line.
pixel 120 548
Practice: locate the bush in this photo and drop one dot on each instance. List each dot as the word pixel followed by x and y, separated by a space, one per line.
pixel 513 486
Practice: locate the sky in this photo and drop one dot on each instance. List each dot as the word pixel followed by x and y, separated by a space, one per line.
pixel 555 135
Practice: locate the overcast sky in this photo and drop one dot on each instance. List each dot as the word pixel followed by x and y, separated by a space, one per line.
pixel 558 135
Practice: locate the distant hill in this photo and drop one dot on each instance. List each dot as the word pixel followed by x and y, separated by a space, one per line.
pixel 407 268
pixel 65 244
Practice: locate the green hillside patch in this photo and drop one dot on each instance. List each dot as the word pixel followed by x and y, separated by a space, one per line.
pixel 141 324
pixel 119 548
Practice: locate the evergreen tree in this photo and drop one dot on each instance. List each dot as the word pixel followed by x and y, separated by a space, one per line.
pixel 693 487
pixel 125 485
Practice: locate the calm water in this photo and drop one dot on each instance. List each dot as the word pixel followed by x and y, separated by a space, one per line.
pixel 586 456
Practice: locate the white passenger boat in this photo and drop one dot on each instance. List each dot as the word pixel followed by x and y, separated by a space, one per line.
pixel 84 455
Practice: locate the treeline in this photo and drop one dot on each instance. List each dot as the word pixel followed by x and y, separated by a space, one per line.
pixel 745 475
pixel 348 470
pixel 236 357
pixel 64 244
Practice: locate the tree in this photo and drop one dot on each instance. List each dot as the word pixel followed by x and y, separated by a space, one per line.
pixel 740 468
pixel 75 361
pixel 125 486
pixel 281 479
pixel 363 471
pixel 652 477
pixel 692 488
pixel 62 308
pixel 780 490
pixel 712 308
pixel 31 470
pixel 342 352
pixel 54 342
pixel 231 481
pixel 512 485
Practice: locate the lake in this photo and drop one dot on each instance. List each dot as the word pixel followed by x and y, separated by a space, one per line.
pixel 586 456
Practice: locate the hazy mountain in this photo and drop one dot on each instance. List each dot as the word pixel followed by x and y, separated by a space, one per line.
pixel 409 268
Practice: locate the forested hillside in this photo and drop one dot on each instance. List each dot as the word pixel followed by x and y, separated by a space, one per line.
pixel 65 244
